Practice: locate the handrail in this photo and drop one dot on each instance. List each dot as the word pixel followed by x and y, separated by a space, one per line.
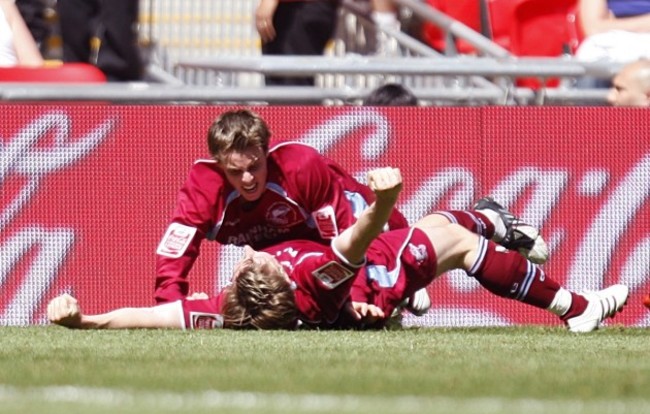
pixel 134 93
pixel 357 64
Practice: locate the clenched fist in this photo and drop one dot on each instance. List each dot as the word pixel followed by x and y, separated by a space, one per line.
pixel 64 310
pixel 385 182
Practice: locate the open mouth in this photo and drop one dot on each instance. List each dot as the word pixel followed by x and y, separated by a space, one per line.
pixel 249 189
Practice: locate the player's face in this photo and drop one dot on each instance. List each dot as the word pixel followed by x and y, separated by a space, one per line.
pixel 246 171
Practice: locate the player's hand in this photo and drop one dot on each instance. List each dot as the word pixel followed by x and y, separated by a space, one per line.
pixel 385 182
pixel 197 296
pixel 264 19
pixel 365 312
pixel 64 310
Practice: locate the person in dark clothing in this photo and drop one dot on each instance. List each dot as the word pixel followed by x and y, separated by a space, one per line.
pixel 112 25
pixel 295 27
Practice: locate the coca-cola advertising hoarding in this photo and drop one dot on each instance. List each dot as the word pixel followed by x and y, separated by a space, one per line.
pixel 87 192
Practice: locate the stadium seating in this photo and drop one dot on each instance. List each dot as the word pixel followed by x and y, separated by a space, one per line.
pixel 57 73
pixel 544 28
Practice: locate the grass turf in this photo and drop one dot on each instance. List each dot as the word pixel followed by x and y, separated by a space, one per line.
pixel 513 369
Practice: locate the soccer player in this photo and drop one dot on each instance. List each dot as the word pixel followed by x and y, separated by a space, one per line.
pixel 405 260
pixel 250 194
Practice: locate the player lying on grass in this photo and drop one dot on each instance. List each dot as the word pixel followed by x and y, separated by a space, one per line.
pixel 306 281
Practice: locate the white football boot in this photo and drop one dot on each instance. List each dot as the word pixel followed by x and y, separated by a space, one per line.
pixel 602 304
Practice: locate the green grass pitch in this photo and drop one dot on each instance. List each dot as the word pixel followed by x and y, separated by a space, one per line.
pixel 48 369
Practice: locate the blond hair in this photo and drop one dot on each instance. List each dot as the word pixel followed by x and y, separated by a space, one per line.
pixel 237 130
pixel 260 297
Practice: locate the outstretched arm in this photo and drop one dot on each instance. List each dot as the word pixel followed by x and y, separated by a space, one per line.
pixel 64 310
pixel 354 241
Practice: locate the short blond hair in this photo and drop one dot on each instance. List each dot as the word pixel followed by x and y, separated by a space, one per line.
pixel 237 130
pixel 260 297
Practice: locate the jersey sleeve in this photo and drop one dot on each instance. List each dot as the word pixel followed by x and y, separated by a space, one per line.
pixel 193 218
pixel 202 313
pixel 317 188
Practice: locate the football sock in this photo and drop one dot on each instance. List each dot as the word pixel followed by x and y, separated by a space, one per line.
pixel 507 274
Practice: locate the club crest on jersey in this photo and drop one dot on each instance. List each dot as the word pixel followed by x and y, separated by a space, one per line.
pixel 419 252
pixel 325 219
pixel 175 241
pixel 206 320
pixel 332 274
pixel 281 214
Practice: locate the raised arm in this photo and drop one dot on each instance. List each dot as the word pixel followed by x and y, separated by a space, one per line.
pixel 64 310
pixel 354 241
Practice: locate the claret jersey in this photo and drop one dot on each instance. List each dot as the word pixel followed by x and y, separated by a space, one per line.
pixel 307 197
pixel 398 263
pixel 322 279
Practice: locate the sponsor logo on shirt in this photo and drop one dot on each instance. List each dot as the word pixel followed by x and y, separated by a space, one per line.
pixel 332 274
pixel 232 223
pixel 175 241
pixel 281 214
pixel 325 219
pixel 419 252
pixel 206 320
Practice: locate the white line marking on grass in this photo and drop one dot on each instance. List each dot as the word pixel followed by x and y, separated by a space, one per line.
pixel 165 401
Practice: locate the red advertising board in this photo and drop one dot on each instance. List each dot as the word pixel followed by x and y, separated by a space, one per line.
pixel 87 191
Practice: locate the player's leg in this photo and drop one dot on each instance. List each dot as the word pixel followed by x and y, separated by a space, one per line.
pixel 490 220
pixel 507 274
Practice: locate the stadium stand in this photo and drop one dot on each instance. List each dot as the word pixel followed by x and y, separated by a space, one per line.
pixel 191 44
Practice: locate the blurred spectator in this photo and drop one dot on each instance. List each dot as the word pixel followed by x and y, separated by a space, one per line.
pixel 103 33
pixel 33 12
pixel 631 86
pixel 295 27
pixel 616 31
pixel 17 46
pixel 384 15
pixel 391 94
